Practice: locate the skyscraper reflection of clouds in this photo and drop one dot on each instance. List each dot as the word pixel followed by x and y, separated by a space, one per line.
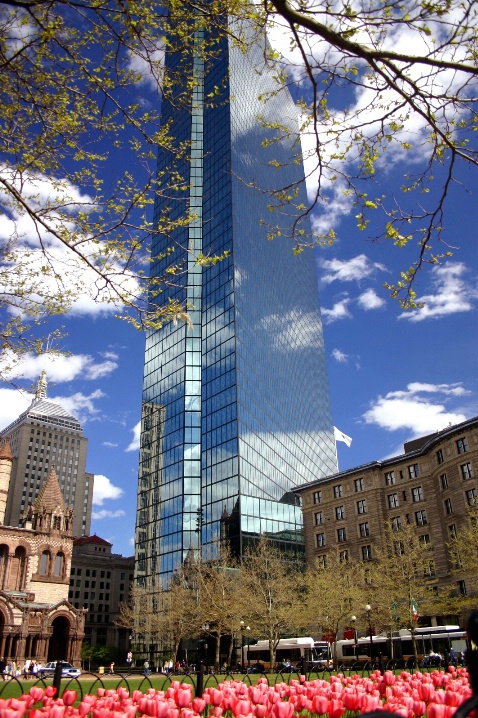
pixel 236 408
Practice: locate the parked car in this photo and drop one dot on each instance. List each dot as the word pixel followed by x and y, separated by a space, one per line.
pixel 67 670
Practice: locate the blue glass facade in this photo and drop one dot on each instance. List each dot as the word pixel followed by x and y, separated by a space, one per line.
pixel 240 400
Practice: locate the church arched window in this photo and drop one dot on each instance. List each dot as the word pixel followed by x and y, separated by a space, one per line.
pixel 59 563
pixel 45 563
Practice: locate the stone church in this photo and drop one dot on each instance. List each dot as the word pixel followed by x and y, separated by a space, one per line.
pixel 36 619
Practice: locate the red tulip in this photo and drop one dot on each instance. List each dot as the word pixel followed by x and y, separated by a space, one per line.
pixel 69 697
pixel 419 708
pixel 283 709
pixel 336 708
pixel 320 704
pixel 351 701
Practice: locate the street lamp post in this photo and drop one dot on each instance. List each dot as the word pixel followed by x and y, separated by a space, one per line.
pixel 353 619
pixel 247 629
pixel 368 608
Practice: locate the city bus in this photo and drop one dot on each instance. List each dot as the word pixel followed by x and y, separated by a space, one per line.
pixel 290 650
pixel 439 639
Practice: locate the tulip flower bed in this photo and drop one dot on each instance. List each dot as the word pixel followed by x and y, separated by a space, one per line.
pixel 433 695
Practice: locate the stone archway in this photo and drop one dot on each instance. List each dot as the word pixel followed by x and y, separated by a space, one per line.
pixel 59 644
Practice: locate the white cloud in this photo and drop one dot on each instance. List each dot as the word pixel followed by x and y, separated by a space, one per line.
pixel 42 265
pixel 58 368
pixel 109 445
pixel 81 406
pixel 149 67
pixel 13 402
pixel 339 356
pixel 348 270
pixel 451 294
pixel 104 514
pixel 104 490
pixel 408 409
pixel 134 445
pixel 110 355
pixel 338 311
pixel 370 300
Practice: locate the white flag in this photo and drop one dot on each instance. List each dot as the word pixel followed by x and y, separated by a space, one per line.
pixel 340 436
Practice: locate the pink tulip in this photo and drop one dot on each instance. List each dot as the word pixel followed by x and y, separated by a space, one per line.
pixel 283 709
pixel 241 708
pixel 69 697
pixel 419 708
pixel 351 701
pixel 336 708
pixel 260 710
pixel 320 704
pixel 183 697
pixel 436 710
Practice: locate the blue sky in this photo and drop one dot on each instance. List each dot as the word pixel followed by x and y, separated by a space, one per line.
pixel 393 375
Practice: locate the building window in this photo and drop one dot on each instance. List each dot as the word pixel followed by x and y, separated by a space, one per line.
pixel 452 531
pixel 440 457
pixel 319 518
pixel 342 534
pixel 366 553
pixel 424 539
pixel 343 556
pixel 396 523
pixel 421 518
pixel 462 588
pixel 339 513
pixel 429 568
pixel 320 540
pixel 471 496
pixel 45 563
pixel 448 507
pixel 417 494
pixel 358 485
pixel 443 481
pixel 413 471
pixel 462 446
pixel 59 562
pixel 392 501
pixel 322 560
pixel 364 529
pixel 362 507
pixel 338 491
pixel 466 470
pixel 398 548
pixel 390 478
pixel 317 497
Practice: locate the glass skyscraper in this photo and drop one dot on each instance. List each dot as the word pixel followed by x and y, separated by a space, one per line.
pixel 236 408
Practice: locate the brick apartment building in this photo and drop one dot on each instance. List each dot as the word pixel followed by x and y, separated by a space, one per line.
pixel 431 486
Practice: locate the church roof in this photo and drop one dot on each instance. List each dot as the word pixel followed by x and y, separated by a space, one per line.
pixel 83 540
pixel 5 450
pixel 50 496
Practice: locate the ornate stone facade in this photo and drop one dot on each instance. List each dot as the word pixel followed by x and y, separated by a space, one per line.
pixel 36 618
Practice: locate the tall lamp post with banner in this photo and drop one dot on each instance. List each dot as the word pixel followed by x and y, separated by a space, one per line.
pixel 368 608
pixel 353 619
pixel 244 630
